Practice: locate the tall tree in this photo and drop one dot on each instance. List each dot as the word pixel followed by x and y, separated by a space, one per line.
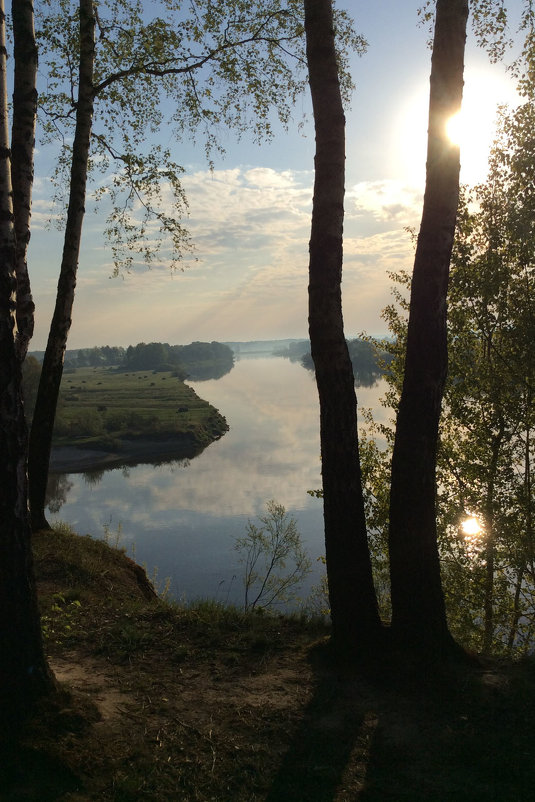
pixel 354 610
pixel 418 609
pixel 24 674
pixel 202 61
pixel 486 452
pixel 52 370
pixel 22 152
pixel 487 448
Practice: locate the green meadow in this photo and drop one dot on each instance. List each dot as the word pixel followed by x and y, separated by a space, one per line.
pixel 100 407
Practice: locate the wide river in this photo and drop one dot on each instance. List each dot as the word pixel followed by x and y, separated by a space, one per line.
pixel 182 518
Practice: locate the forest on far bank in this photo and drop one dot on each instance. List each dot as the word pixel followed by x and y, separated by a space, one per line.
pixel 368 357
pixel 196 361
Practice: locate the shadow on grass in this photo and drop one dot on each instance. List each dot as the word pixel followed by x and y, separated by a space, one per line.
pixel 467 737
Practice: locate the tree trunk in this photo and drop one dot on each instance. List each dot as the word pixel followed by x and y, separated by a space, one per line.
pixel 354 611
pixel 52 371
pixel 24 674
pixel 490 540
pixel 22 151
pixel 418 610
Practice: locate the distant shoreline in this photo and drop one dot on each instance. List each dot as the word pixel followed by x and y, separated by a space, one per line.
pixel 74 459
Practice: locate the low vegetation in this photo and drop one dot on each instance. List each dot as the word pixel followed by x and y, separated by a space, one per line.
pixel 100 408
pixel 164 702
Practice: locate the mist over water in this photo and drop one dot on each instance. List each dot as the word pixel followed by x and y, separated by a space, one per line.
pixel 183 517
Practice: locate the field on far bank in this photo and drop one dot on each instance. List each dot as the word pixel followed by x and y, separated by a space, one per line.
pixel 99 408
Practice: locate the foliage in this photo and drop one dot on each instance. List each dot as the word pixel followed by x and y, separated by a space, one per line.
pixel 192 70
pixel 489 19
pixel 266 551
pixel 198 360
pixel 487 449
pixel 487 443
pixel 61 619
pixel 94 357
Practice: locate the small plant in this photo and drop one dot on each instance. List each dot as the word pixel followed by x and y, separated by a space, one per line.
pixel 59 623
pixel 113 539
pixel 317 603
pixel 266 551
pixel 162 588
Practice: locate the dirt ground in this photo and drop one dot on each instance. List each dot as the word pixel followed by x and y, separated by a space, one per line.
pixel 166 703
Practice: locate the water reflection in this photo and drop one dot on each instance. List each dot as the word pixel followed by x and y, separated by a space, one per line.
pixel 183 516
pixel 58 487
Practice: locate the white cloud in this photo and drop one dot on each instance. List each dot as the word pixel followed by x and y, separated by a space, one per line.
pixel 251 228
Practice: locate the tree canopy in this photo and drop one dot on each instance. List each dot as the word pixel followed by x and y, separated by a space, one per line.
pixel 180 72
pixel 485 459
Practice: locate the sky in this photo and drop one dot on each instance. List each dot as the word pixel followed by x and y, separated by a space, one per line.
pixel 249 217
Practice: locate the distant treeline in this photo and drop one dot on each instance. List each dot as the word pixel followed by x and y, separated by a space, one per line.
pixel 199 360
pixel 369 362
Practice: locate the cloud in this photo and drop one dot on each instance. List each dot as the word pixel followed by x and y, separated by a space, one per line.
pixel 251 228
pixel 386 201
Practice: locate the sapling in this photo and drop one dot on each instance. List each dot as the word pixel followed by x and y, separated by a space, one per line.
pixel 275 562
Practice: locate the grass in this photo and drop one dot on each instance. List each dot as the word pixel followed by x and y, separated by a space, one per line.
pixel 166 702
pixel 99 406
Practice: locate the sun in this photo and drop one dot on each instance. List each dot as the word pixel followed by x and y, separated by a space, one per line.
pixel 473 128
pixel 471 527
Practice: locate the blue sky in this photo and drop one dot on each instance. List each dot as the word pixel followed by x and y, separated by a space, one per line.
pixel 250 216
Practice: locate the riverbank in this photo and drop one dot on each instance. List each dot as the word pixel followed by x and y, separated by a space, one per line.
pixel 73 459
pixel 204 703
pixel 107 419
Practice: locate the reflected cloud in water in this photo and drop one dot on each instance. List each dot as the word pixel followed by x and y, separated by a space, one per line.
pixel 183 516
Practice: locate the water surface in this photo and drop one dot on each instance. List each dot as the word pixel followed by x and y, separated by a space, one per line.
pixel 182 518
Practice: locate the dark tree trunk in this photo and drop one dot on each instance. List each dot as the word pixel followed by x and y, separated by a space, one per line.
pixel 52 371
pixel 418 610
pixel 22 150
pixel 490 540
pixel 24 674
pixel 354 611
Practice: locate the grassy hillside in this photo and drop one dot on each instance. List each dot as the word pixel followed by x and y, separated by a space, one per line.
pixel 101 408
pixel 190 704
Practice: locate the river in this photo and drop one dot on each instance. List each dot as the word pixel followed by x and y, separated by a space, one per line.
pixel 181 518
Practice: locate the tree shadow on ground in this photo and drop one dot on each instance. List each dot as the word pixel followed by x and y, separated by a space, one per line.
pixel 464 737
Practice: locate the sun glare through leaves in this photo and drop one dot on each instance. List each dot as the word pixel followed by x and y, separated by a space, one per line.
pixel 472 531
pixel 471 527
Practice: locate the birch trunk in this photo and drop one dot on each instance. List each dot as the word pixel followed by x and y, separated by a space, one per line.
pixel 419 617
pixel 22 153
pixel 24 674
pixel 354 611
pixel 52 371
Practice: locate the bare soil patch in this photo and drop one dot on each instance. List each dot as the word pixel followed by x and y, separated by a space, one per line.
pixel 161 703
